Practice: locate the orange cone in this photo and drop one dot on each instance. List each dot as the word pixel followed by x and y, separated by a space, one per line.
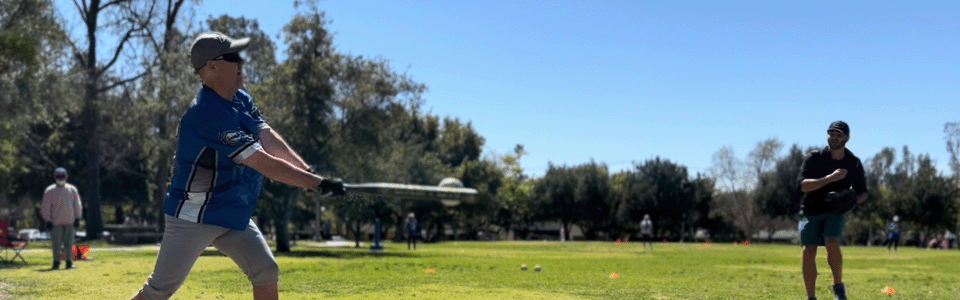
pixel 888 290
pixel 430 271
pixel 614 276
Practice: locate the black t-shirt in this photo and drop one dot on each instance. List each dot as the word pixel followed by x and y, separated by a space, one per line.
pixel 819 165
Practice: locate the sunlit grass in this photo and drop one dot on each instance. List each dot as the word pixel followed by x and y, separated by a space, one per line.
pixel 491 270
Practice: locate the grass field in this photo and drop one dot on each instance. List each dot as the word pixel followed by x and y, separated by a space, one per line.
pixel 491 270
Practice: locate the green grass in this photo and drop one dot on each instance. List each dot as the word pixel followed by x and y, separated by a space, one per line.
pixel 491 270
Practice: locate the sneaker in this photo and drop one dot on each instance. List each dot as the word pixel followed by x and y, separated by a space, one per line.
pixel 812 298
pixel 840 291
pixel 56 265
pixel 69 265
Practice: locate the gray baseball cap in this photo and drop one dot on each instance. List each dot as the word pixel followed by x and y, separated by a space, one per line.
pixel 209 45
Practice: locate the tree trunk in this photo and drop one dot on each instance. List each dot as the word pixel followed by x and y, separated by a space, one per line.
pixel 356 233
pixel 400 230
pixel 282 219
pixel 160 180
pixel 682 230
pixel 118 215
pixel 90 121
pixel 318 222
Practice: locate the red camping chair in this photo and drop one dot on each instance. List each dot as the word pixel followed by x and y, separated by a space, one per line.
pixel 10 246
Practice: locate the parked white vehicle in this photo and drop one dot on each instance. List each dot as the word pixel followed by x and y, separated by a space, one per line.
pixel 33 234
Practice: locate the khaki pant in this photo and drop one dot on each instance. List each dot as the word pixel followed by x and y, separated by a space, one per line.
pixel 184 241
pixel 61 239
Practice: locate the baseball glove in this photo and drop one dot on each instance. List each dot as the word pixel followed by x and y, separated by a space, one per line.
pixel 842 201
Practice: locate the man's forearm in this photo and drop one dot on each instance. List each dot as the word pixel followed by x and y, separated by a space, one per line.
pixel 813 184
pixel 283 171
pixel 274 144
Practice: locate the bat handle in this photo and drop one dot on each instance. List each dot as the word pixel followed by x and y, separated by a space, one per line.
pixel 322 194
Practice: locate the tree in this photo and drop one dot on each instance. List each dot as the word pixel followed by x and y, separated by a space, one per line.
pixel 735 201
pixel 591 194
pixel 31 42
pixel 459 142
pixel 346 115
pixel 778 191
pixel 165 94
pixel 302 91
pixel 764 155
pixel 761 159
pixel 259 57
pixel 131 19
pixel 935 204
pixel 515 195
pixel 704 188
pixel 666 193
pixel 555 194
pixel 32 94
pixel 951 133
pixel 484 176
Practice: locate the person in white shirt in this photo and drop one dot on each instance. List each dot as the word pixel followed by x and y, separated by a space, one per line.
pixel 61 209
pixel 646 229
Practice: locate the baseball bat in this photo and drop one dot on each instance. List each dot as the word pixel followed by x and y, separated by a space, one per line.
pixel 448 195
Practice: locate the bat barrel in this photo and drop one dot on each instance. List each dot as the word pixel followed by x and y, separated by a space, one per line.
pixel 412 191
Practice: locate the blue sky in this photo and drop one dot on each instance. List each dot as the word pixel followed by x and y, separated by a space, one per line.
pixel 627 81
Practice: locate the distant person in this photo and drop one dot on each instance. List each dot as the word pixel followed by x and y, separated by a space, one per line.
pixel 646 231
pixel 949 237
pixel 61 209
pixel 224 149
pixel 933 243
pixel 413 231
pixel 893 237
pixel 833 181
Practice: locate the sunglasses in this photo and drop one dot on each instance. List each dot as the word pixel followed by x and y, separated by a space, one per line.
pixel 230 57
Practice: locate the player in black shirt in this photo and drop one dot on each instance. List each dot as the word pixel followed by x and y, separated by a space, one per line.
pixel 833 181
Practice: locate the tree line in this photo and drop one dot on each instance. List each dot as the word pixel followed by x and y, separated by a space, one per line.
pixel 105 104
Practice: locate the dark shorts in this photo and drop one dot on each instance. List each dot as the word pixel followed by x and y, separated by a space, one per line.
pixel 894 236
pixel 646 238
pixel 814 229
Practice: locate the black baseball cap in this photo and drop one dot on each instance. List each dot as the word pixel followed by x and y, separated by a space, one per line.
pixel 209 45
pixel 840 126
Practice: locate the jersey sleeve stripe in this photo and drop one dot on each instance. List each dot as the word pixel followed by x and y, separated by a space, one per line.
pixel 245 151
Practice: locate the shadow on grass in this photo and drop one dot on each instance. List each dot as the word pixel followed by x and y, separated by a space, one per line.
pixel 12 265
pixel 334 253
pixel 44 269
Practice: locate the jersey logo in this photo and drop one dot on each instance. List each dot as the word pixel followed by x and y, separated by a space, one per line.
pixel 233 137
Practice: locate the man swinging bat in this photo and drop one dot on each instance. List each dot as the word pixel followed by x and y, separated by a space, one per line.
pixel 224 148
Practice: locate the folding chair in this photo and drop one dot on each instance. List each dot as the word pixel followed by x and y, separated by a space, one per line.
pixel 10 246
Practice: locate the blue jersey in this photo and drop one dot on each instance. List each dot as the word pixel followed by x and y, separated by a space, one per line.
pixel 894 227
pixel 209 185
